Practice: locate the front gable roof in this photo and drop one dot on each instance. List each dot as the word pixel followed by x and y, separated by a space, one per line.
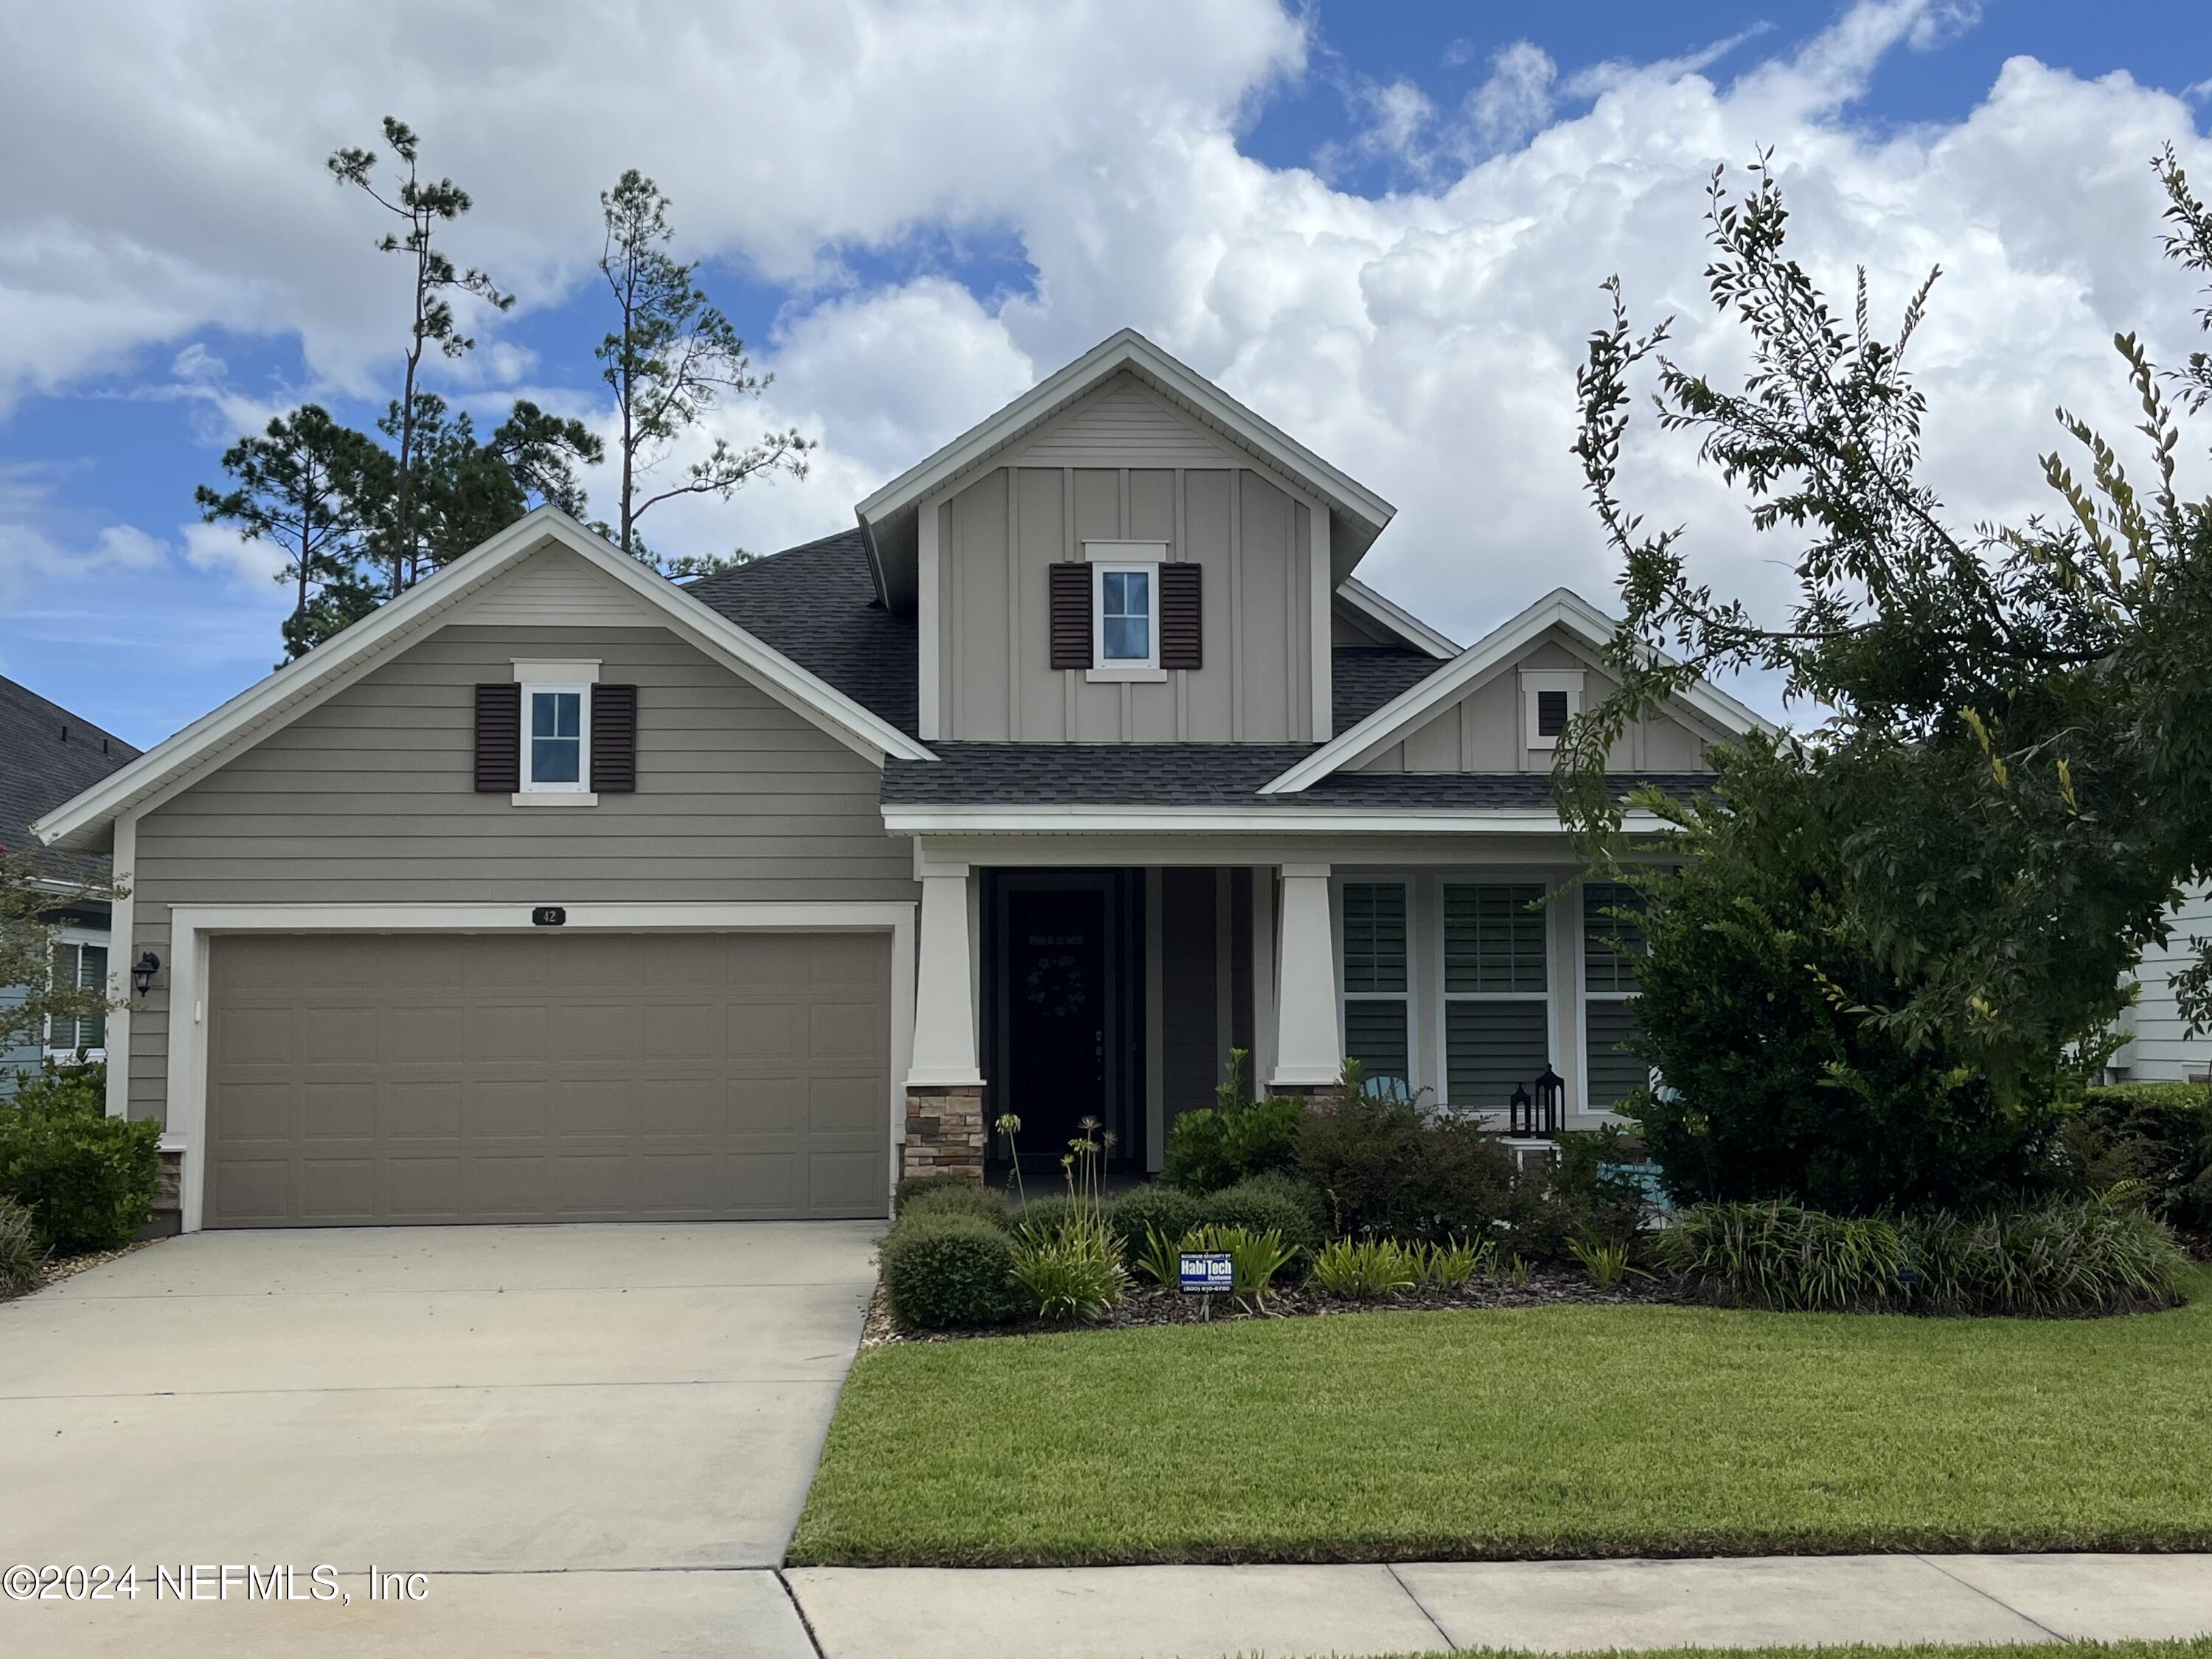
pixel 1357 514
pixel 1561 608
pixel 293 690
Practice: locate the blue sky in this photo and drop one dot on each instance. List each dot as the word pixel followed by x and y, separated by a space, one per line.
pixel 1409 132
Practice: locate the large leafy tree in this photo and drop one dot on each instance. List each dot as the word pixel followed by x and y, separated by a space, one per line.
pixel 303 487
pixel 671 359
pixel 2011 765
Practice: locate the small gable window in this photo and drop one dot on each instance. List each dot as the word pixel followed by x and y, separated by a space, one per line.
pixel 1126 634
pixel 1550 699
pixel 556 750
pixel 553 736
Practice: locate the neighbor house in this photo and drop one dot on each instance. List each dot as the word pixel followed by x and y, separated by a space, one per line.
pixel 2159 1047
pixel 555 891
pixel 47 756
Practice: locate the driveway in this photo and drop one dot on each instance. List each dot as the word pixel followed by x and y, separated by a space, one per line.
pixel 637 1408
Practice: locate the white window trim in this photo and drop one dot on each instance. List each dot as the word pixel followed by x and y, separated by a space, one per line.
pixel 579 794
pixel 1104 668
pixel 82 937
pixel 1445 996
pixel 1534 680
pixel 1345 996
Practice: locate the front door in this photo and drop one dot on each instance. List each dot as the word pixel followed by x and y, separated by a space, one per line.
pixel 1057 1018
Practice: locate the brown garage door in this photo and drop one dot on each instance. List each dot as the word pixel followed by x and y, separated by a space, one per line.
pixel 547 1077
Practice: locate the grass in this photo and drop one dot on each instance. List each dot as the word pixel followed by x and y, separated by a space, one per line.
pixel 2195 1647
pixel 1565 1431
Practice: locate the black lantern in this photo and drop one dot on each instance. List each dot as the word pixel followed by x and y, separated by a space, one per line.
pixel 1550 1097
pixel 142 972
pixel 1520 1113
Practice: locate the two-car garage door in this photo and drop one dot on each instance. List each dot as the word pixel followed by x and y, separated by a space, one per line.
pixel 552 1076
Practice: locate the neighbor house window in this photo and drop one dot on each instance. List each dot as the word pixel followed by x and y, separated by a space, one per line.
pixel 83 964
pixel 1496 986
pixel 1127 635
pixel 1613 941
pixel 1375 1025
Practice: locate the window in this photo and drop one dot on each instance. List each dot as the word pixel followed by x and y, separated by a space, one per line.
pixel 1550 713
pixel 1612 942
pixel 82 964
pixel 1550 697
pixel 553 751
pixel 1497 1006
pixel 1375 1029
pixel 1126 636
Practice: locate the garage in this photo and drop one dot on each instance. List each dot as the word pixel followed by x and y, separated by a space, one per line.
pixel 553 1076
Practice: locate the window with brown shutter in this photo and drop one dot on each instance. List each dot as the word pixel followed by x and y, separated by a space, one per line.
pixel 1181 630
pixel 614 740
pixel 498 738
pixel 1071 616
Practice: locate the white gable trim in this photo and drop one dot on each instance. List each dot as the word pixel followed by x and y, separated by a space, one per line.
pixel 208 741
pixel 1396 619
pixel 1560 609
pixel 1131 350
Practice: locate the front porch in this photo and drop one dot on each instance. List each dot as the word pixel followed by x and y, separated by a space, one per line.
pixel 1117 990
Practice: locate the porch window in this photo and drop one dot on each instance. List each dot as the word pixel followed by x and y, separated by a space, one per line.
pixel 1375 1027
pixel 1497 1001
pixel 1611 945
pixel 83 965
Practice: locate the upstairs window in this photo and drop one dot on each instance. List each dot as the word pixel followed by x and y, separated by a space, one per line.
pixel 1127 637
pixel 1550 698
pixel 556 748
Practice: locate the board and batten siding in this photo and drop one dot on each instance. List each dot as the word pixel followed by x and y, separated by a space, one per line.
pixel 369 797
pixel 1124 466
pixel 1484 729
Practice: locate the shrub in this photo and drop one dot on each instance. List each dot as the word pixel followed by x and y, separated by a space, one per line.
pixel 914 1186
pixel 21 1254
pixel 1072 1271
pixel 2094 1256
pixel 1254 1259
pixel 1051 1213
pixel 948 1269
pixel 1218 1145
pixel 1780 1256
pixel 1266 1203
pixel 1590 1190
pixel 1447 1267
pixel 1395 1168
pixel 1167 1211
pixel 958 1198
pixel 1360 1270
pixel 86 1178
pixel 2157 1134
pixel 1605 1260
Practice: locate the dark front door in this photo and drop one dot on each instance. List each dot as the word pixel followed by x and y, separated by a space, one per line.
pixel 1057 1017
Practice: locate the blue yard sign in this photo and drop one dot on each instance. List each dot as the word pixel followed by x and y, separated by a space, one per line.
pixel 1207 1272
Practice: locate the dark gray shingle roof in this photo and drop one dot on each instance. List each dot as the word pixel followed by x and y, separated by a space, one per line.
pixel 1499 790
pixel 1365 678
pixel 47 756
pixel 1090 774
pixel 816 603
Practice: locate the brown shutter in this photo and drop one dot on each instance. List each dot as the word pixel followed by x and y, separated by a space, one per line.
pixel 614 738
pixel 498 738
pixel 1180 629
pixel 1071 616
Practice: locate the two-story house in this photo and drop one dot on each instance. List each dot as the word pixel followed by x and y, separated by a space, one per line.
pixel 555 891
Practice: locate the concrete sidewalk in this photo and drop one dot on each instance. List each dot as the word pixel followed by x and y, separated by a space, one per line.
pixel 1201 1613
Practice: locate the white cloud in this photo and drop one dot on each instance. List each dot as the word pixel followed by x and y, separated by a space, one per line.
pixel 1516 99
pixel 219 548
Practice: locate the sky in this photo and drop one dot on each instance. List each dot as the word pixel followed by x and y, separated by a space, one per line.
pixel 1382 227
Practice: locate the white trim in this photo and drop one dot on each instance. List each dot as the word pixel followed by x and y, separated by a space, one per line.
pixel 1125 552
pixel 929 623
pixel 568 792
pixel 1533 683
pixel 1560 608
pixel 1103 667
pixel 1073 819
pixel 1397 619
pixel 193 927
pixel 1321 626
pixel 555 795
pixel 122 915
pixel 554 674
pixel 282 696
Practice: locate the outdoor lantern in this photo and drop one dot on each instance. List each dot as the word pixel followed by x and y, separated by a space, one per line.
pixel 1519 1116
pixel 1551 1092
pixel 142 972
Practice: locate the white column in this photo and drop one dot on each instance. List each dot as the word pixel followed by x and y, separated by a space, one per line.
pixel 1309 1044
pixel 945 999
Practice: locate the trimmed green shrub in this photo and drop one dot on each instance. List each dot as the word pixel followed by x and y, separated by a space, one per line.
pixel 21 1254
pixel 2158 1134
pixel 948 1268
pixel 1071 1271
pixel 958 1198
pixel 86 1178
pixel 1217 1145
pixel 1266 1203
pixel 1394 1168
pixel 1167 1211
pixel 913 1186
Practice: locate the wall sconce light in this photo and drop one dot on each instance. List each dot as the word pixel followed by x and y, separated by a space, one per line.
pixel 142 972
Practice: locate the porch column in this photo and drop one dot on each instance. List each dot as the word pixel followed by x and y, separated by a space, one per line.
pixel 1309 1043
pixel 944 1090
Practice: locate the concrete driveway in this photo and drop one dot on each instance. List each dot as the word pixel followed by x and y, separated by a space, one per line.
pixel 635 1408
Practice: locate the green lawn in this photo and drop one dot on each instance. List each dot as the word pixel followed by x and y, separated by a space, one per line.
pixel 1559 1432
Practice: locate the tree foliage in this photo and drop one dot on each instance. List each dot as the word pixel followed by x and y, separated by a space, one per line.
pixel 2011 777
pixel 32 904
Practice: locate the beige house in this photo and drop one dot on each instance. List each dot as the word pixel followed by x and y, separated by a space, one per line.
pixel 555 891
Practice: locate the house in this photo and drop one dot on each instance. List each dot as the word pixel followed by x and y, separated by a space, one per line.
pixel 555 891
pixel 47 756
pixel 2159 1047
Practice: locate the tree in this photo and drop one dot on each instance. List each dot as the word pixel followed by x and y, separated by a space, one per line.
pixel 31 902
pixel 300 487
pixel 2013 766
pixel 465 491
pixel 421 207
pixel 670 361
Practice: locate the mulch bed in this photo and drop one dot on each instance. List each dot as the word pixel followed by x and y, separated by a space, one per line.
pixel 1151 1304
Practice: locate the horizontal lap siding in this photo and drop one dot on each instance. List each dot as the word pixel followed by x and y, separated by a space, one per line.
pixel 369 798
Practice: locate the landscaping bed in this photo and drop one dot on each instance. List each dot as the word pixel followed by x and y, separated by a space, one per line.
pixel 1555 1432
